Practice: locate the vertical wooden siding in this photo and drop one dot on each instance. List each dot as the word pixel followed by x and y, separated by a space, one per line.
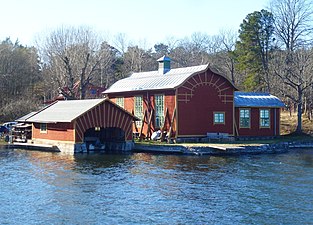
pixel 255 129
pixel 104 115
pixel 149 106
pixel 198 98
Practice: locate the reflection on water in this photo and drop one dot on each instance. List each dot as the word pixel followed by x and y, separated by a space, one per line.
pixel 185 163
pixel 141 188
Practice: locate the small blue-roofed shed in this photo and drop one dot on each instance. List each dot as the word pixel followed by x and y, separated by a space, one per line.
pixel 257 114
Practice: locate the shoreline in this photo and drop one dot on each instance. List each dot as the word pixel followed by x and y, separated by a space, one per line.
pixel 214 149
pixel 220 149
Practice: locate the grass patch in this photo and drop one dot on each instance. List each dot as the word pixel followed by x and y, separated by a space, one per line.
pixel 283 138
pixel 288 124
pixel 2 142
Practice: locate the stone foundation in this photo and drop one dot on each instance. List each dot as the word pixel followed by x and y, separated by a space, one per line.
pixel 71 148
pixel 222 150
pixel 66 147
pixel 108 147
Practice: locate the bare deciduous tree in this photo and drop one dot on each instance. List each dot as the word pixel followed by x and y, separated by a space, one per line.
pixel 293 24
pixel 227 40
pixel 121 42
pixel 73 57
pixel 20 79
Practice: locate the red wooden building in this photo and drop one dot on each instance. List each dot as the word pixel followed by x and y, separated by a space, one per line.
pixel 257 114
pixel 194 102
pixel 82 125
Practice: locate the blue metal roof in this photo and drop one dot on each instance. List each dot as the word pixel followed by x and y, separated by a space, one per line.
pixel 257 99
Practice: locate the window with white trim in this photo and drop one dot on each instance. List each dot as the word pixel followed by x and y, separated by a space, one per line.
pixel 264 118
pixel 43 128
pixel 244 118
pixel 219 117
pixel 138 109
pixel 159 110
pixel 120 101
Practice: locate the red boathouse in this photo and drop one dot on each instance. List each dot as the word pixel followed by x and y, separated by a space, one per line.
pixel 82 125
pixel 194 102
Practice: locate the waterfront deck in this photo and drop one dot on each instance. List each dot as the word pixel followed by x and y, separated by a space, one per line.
pixel 190 149
pixel 29 146
pixel 221 149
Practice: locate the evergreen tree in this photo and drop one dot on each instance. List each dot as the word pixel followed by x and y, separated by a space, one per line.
pixel 253 48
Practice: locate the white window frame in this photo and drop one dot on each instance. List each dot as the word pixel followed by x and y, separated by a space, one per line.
pixel 264 119
pixel 159 110
pixel 245 117
pixel 43 128
pixel 138 109
pixel 218 117
pixel 120 101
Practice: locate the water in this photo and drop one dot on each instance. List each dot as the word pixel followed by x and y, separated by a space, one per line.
pixel 53 188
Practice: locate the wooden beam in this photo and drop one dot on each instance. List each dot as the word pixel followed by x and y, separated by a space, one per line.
pixel 136 128
pixel 164 124
pixel 171 125
pixel 149 124
pixel 235 124
pixel 142 125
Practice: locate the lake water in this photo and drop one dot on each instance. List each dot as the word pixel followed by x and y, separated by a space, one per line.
pixel 53 188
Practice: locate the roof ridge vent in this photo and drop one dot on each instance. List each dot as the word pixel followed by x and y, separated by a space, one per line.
pixel 164 64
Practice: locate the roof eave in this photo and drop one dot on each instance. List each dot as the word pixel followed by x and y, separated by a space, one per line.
pixel 202 71
pixel 218 73
pixel 148 89
pixel 260 106
pixel 48 121
pixel 135 118
pixel 77 116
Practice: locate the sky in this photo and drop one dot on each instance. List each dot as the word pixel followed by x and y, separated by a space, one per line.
pixel 142 21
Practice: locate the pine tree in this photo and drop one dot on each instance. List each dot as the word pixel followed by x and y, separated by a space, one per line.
pixel 253 48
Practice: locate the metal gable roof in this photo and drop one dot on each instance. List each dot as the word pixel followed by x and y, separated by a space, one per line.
pixel 64 111
pixel 25 117
pixel 251 99
pixel 153 80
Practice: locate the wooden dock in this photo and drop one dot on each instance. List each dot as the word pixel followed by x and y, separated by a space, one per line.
pixel 29 146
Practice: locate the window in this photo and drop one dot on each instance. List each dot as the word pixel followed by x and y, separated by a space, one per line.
pixel 120 101
pixel 43 128
pixel 264 118
pixel 219 117
pixel 138 110
pixel 244 118
pixel 159 110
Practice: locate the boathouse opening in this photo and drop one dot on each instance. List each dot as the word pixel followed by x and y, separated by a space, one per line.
pixel 104 139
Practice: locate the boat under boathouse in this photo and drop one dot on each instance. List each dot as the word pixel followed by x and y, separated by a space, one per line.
pixel 83 125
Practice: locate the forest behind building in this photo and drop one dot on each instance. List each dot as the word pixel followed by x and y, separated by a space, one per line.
pixel 270 51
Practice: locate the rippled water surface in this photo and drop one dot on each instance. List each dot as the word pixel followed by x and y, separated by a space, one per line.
pixel 53 188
